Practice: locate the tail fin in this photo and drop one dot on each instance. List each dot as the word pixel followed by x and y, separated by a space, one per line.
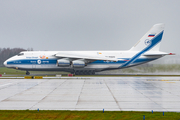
pixel 151 39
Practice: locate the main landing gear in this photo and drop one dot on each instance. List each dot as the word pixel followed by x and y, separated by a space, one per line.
pixel 27 73
pixel 84 72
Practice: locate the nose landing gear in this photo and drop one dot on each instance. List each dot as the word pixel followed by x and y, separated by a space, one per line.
pixel 27 73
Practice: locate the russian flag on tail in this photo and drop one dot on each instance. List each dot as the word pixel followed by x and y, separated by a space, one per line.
pixel 151 35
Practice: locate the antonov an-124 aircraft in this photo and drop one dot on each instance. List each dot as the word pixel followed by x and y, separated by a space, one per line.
pixel 89 62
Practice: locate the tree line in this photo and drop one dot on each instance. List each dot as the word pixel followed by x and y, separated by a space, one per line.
pixel 6 53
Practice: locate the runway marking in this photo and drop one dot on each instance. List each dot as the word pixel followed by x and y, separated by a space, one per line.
pixel 80 93
pixel 48 93
pixel 6 84
pixel 21 91
pixel 9 84
pixel 113 95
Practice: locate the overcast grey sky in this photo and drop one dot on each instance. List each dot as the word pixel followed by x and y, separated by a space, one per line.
pixel 86 24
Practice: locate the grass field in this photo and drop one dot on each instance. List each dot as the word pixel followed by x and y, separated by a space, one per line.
pixel 85 115
pixel 4 70
pixel 168 69
pixel 153 68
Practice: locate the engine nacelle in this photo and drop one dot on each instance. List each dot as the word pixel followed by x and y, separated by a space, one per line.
pixel 63 63
pixel 78 64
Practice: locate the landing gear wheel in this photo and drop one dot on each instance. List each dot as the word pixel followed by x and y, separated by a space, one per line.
pixel 27 73
pixel 85 72
pixel 76 72
pixel 93 72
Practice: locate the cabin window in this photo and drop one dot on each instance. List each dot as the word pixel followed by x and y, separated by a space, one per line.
pixel 20 54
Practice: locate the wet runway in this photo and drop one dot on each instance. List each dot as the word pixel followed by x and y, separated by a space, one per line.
pixel 96 93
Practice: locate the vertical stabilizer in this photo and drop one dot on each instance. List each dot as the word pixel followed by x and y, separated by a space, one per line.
pixel 151 39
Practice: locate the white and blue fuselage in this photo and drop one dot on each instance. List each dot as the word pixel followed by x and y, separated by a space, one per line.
pixel 33 60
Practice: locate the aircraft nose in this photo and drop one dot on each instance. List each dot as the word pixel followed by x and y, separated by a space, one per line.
pixel 5 63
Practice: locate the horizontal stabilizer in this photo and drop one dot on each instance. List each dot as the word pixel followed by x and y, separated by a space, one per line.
pixel 158 54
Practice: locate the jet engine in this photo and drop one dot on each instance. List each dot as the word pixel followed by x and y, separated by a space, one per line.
pixel 63 63
pixel 78 64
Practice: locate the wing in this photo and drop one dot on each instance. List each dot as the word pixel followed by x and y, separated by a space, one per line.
pixel 86 57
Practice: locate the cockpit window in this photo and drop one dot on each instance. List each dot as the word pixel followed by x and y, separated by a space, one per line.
pixel 20 54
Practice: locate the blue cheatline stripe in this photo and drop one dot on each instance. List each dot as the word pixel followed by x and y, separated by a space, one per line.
pixel 139 60
pixel 32 61
pixel 54 61
pixel 154 42
pixel 143 60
